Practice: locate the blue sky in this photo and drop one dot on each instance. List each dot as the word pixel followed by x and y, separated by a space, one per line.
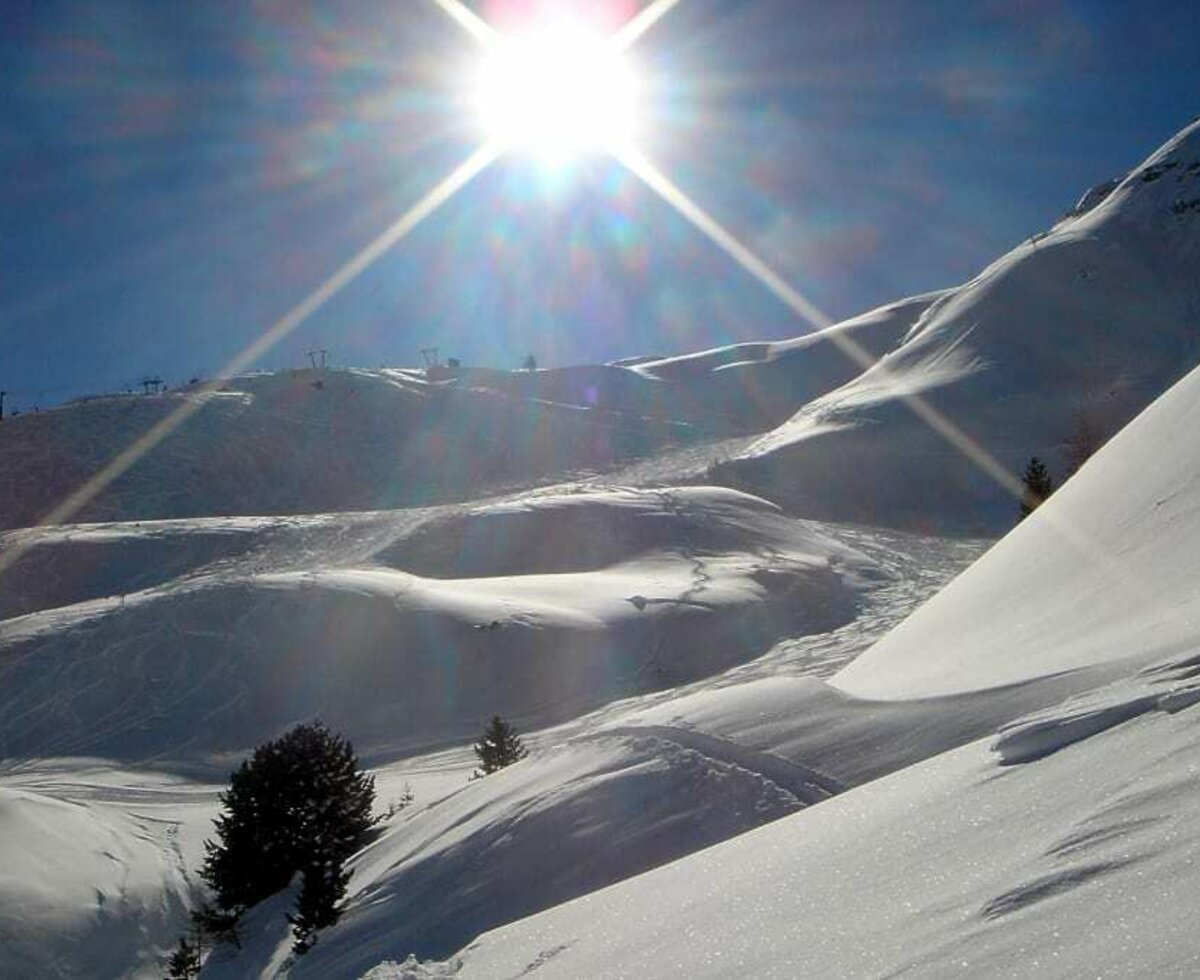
pixel 177 175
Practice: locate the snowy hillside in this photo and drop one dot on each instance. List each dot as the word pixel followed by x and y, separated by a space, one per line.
pixel 1073 331
pixel 398 627
pixel 310 441
pixel 1105 570
pixel 1064 844
pixel 333 439
pixel 761 384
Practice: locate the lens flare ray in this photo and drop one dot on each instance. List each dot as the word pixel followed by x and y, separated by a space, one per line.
pixel 334 284
pixel 641 22
pixel 469 21
pixel 658 182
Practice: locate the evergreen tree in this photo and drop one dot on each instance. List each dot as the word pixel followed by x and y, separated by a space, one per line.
pixel 184 963
pixel 1038 486
pixel 299 804
pixel 500 746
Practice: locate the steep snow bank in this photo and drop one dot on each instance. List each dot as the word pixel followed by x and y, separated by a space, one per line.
pixel 1104 570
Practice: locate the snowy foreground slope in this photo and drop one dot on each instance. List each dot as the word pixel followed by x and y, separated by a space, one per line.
pixel 467 856
pixel 1065 338
pixel 1067 843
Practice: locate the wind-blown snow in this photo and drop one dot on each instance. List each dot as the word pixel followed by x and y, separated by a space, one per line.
pixel 1081 327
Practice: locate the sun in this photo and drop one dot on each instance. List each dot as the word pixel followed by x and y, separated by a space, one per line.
pixel 556 93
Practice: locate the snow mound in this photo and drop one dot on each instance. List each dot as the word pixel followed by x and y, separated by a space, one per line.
pixel 1077 329
pixel 86 890
pixel 1103 571
pixel 583 529
pixel 312 618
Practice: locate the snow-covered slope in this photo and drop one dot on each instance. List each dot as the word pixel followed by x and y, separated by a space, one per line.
pixel 97 868
pixel 1063 844
pixel 1085 863
pixel 309 441
pixel 1077 329
pixel 406 626
pixel 761 384
pixel 574 818
pixel 321 440
pixel 1106 569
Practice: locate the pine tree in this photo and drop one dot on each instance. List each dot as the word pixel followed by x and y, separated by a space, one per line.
pixel 299 804
pixel 184 963
pixel 500 746
pixel 1038 486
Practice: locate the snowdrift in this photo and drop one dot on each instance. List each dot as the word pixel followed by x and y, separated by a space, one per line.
pixel 1068 336
pixel 758 385
pixel 501 613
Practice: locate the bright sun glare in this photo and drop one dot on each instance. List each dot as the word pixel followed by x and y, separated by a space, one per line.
pixel 556 94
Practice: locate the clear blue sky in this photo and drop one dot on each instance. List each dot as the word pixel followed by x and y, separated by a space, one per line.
pixel 178 174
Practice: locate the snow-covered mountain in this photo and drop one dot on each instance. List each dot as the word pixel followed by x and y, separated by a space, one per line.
pixel 989 773
pixel 312 441
pixel 1070 334
pixel 1065 845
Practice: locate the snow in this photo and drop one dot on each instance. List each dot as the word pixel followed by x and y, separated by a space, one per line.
pixel 1084 325
pixel 570 819
pixel 98 867
pixel 311 617
pixel 1103 571
pixel 759 745
pixel 1070 866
